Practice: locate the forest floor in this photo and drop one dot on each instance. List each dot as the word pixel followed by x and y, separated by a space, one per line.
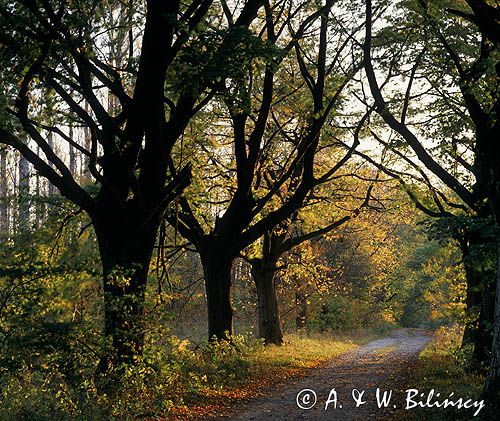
pixel 384 363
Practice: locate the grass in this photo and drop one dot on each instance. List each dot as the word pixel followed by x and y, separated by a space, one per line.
pixel 174 379
pixel 441 367
pixel 269 367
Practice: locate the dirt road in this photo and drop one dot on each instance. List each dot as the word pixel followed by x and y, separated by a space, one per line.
pixel 384 364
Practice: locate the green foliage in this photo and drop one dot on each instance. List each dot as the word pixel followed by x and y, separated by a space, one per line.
pixel 442 367
pixel 170 373
pixel 46 295
pixel 460 227
pixel 336 314
pixel 222 60
pixel 30 394
pixel 49 323
pixel 51 341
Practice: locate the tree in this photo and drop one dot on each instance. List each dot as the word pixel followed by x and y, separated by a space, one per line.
pixel 471 104
pixel 52 47
pixel 270 151
pixel 283 239
pixel 473 73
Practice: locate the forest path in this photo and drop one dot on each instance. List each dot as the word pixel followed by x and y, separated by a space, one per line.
pixel 383 363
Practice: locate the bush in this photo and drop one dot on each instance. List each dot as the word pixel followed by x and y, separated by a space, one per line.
pixel 336 314
pixel 170 371
pixel 442 366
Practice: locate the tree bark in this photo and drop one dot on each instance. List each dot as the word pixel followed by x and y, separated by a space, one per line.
pixel 472 303
pixel 217 271
pixel 479 299
pixel 484 335
pixel 479 332
pixel 126 248
pixel 492 388
pixel 493 381
pixel 268 310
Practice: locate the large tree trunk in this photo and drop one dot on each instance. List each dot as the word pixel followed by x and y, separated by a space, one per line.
pixel 493 381
pixel 472 303
pixel 126 248
pixel 479 300
pixel 268 310
pixel 476 331
pixel 492 157
pixel 217 271
pixel 484 334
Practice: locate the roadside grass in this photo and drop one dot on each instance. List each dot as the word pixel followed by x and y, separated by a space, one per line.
pixel 442 366
pixel 267 367
pixel 175 379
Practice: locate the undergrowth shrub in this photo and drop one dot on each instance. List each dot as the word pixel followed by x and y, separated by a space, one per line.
pixel 170 371
pixel 442 366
